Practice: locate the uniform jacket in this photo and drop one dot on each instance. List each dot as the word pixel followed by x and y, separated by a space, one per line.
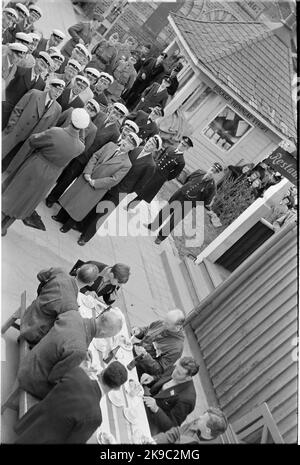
pixel 195 188
pixel 107 292
pixel 21 84
pixel 146 130
pixel 168 343
pixel 151 72
pixel 81 198
pixel 87 135
pixel 52 150
pixel 104 135
pixel 79 31
pixel 64 347
pixel 64 102
pixel 28 117
pixel 152 98
pixel 103 56
pixel 58 295
pixel 175 404
pixel 69 414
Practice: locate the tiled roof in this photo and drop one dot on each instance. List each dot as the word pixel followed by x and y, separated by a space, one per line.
pixel 248 58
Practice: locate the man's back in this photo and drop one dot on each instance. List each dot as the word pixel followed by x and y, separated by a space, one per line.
pixel 58 294
pixel 61 349
pixel 69 414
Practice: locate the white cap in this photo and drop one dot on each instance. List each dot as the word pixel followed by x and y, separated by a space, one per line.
pixel 11 12
pixel 93 71
pixel 17 47
pixel 81 78
pixel 23 8
pixel 55 53
pixel 134 138
pixel 83 50
pixel 107 76
pixel 74 63
pixel 95 104
pixel 34 36
pixel 58 33
pixel 121 107
pixel 57 82
pixel 159 141
pixel 46 57
pixel 36 9
pixel 132 125
pixel 80 118
pixel 24 37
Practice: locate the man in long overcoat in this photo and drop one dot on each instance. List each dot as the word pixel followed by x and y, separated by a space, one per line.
pixel 35 112
pixel 156 94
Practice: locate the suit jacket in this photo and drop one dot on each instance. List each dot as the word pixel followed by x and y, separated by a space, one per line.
pixel 63 100
pixel 146 130
pixel 175 404
pixel 28 117
pixel 21 84
pixel 64 347
pixel 41 47
pixel 58 295
pixel 104 135
pixel 152 98
pixel 69 414
pixel 79 31
pixel 106 171
pixel 87 135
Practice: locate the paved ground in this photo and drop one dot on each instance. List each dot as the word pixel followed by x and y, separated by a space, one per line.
pixel 147 296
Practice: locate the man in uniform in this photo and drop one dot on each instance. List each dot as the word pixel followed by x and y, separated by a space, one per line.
pixel 147 122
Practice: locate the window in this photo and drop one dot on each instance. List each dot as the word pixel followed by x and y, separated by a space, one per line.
pixel 195 99
pixel 226 129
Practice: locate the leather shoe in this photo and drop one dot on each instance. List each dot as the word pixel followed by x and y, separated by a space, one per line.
pixel 64 229
pixel 55 218
pixel 49 203
pixel 81 242
pixel 158 241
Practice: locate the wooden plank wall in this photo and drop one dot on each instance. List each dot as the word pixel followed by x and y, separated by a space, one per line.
pixel 247 338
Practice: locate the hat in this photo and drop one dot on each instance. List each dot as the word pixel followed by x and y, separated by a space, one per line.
pixel 134 138
pixel 218 167
pixel 80 118
pixel 11 12
pixel 158 141
pixel 121 108
pixel 56 54
pixel 106 76
pixel 24 37
pixel 56 82
pixel 83 50
pixel 35 36
pixel 158 108
pixel 46 57
pixel 189 141
pixel 93 71
pixel 132 125
pixel 36 9
pixel 58 33
pixel 74 64
pixel 81 78
pixel 17 47
pixel 98 17
pixel 95 104
pixel 22 8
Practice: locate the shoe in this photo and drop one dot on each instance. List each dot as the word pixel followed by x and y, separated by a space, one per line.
pixel 64 229
pixel 158 241
pixel 81 241
pixel 3 233
pixel 49 203
pixel 149 226
pixel 55 218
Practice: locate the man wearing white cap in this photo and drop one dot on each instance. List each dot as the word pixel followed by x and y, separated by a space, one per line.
pixel 24 80
pixel 52 150
pixel 23 14
pixel 103 83
pixel 54 40
pixel 108 130
pixel 12 54
pixel 35 112
pixel 106 168
pixel 81 54
pixel 124 74
pixel 71 96
pixel 9 19
pixel 82 33
pixel 92 74
pixel 35 13
pixel 104 53
pixel 71 70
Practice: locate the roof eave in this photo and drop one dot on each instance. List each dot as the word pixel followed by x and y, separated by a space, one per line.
pixel 230 92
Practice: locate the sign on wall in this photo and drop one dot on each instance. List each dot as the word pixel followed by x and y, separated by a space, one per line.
pixel 285 163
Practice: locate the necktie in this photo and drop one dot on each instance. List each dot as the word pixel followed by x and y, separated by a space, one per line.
pixel 47 106
pixel 113 155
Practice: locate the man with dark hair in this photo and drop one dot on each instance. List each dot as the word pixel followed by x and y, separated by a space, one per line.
pixel 57 294
pixel 108 282
pixel 155 95
pixel 64 347
pixel 160 343
pixel 205 429
pixel 70 413
pixel 172 397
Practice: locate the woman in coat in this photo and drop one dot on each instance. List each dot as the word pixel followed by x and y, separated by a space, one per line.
pixel 52 151
pixel 106 168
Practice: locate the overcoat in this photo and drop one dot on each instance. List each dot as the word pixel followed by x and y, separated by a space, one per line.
pixel 52 151
pixel 80 198
pixel 8 71
pixel 146 128
pixel 64 102
pixel 152 98
pixel 103 56
pixel 28 117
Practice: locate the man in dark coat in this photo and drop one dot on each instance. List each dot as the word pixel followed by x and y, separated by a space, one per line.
pixel 199 186
pixel 54 40
pixel 108 130
pixel 172 89
pixel 172 397
pixel 58 294
pixel 160 343
pixel 142 56
pixel 70 413
pixel 169 165
pixel 109 281
pixel 64 347
pixel 70 98
pixel 147 122
pixel 150 69
pixel 155 94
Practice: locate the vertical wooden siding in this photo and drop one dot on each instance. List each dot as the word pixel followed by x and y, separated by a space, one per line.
pixel 246 338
